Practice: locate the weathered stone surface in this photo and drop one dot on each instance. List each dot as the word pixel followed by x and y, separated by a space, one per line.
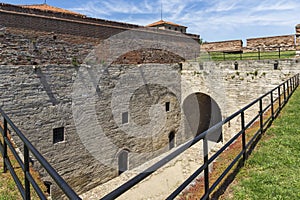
pixel 285 42
pixel 42 99
pixel 231 45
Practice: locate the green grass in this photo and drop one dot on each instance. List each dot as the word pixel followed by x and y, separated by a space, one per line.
pixel 273 170
pixel 219 56
pixel 8 188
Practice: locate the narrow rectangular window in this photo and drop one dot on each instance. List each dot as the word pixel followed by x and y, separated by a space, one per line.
pixel 167 106
pixel 125 118
pixel 58 135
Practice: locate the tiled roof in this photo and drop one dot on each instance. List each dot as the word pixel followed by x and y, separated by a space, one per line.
pixel 162 22
pixel 46 7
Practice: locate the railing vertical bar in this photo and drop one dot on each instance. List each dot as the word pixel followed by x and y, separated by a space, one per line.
pixel 272 106
pixel 243 136
pixel 4 146
pixel 284 94
pixel 288 89
pixel 261 119
pixel 206 169
pixel 279 97
pixel 26 170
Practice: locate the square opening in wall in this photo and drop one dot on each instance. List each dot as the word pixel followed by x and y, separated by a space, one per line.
pixel 125 118
pixel 167 106
pixel 58 135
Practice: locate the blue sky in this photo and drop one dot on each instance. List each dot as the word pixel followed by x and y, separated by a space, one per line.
pixel 214 20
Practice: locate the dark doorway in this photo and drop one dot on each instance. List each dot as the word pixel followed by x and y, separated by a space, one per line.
pixel 201 113
pixel 123 161
pixel 171 140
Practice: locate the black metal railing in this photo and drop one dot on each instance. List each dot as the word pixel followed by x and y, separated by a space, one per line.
pixel 277 98
pixel 257 54
pixel 6 143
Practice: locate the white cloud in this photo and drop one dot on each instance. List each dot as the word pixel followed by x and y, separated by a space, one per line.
pixel 210 18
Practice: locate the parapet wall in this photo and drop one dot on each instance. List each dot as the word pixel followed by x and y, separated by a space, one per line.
pixel 63 23
pixel 285 42
pixel 51 14
pixel 29 47
pixel 231 45
pixel 57 25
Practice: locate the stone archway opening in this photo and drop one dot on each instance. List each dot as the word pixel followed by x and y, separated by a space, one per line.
pixel 201 113
pixel 123 161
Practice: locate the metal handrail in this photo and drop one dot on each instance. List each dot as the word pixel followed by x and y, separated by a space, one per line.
pixel 28 147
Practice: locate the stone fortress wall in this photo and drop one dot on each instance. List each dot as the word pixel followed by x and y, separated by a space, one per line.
pixel 285 42
pixel 231 45
pixel 232 90
pixel 39 99
pixel 38 76
pixel 39 70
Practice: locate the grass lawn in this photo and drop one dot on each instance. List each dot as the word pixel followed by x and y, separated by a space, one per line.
pixel 8 188
pixel 219 56
pixel 273 169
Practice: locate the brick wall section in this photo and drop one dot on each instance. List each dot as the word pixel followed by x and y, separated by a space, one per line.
pixel 57 25
pixel 28 47
pixel 148 56
pixel 79 25
pixel 285 42
pixel 231 45
pixel 50 14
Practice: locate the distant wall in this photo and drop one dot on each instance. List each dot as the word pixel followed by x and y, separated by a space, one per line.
pixel 285 42
pixel 231 45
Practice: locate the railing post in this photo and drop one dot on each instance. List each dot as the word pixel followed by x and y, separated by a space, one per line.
pixel 261 114
pixel 272 106
pixel 288 88
pixel 26 170
pixel 243 136
pixel 279 97
pixel 206 169
pixel 284 94
pixel 5 157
